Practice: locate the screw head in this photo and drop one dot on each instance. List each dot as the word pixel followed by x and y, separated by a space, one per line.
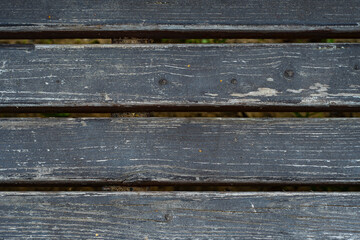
pixel 163 81
pixel 233 81
pixel 168 217
pixel 289 73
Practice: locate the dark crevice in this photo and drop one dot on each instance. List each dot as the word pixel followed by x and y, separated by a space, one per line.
pixel 199 188
pixel 188 114
pixel 157 40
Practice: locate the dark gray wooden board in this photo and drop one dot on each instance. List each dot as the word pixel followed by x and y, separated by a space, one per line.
pixel 179 18
pixel 88 78
pixel 171 151
pixel 179 215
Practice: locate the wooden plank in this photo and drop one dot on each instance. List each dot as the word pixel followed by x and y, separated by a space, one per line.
pixel 171 151
pixel 179 18
pixel 113 78
pixel 179 215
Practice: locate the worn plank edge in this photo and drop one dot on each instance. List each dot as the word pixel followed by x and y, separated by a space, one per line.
pixel 317 92
pixel 169 153
pixel 179 215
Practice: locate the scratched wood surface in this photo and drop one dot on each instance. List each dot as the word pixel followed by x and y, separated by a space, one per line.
pixel 110 78
pixel 179 18
pixel 180 151
pixel 179 215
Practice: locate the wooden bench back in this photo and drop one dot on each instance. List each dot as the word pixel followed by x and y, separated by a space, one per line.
pixel 179 151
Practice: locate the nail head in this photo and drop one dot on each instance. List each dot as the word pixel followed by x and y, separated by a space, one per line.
pixel 289 73
pixel 163 81
pixel 168 217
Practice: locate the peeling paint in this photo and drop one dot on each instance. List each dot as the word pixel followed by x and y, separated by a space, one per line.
pixel 107 98
pixel 212 94
pixel 261 92
pixel 321 90
pixel 295 90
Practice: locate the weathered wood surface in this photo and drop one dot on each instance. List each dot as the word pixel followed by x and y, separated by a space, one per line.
pixel 179 215
pixel 180 151
pixel 179 77
pixel 179 18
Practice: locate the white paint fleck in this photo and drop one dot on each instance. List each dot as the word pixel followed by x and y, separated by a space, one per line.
pixel 3 66
pixel 261 92
pixel 252 206
pixel 43 171
pixel 303 73
pixel 20 150
pixel 295 90
pixel 248 100
pixel 212 94
pixel 102 160
pixel 327 47
pixel 107 98
pixel 321 90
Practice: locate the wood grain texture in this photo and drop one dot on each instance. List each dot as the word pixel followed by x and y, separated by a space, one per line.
pixel 171 151
pixel 179 18
pixel 179 215
pixel 112 78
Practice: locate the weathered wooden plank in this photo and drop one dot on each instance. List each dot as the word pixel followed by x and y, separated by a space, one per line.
pixel 179 77
pixel 143 151
pixel 179 18
pixel 179 215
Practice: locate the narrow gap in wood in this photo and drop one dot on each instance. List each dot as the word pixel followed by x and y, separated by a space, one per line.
pixel 316 35
pixel 188 114
pixel 129 40
pixel 197 188
pixel 132 40
pixel 207 108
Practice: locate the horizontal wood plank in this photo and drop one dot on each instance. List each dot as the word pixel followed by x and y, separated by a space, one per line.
pixel 109 78
pixel 179 215
pixel 179 18
pixel 172 151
